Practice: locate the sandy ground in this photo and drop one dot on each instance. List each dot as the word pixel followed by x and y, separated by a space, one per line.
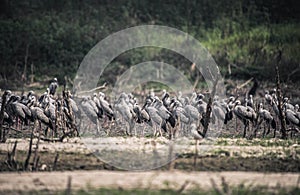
pixel 176 179
pixel 77 145
pixel 144 180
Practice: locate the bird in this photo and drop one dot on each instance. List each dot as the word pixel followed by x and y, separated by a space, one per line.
pixel 201 106
pixel 166 99
pixel 18 110
pixel 180 98
pixel 90 111
pixel 245 114
pixel 192 113
pixel 53 86
pixel 38 114
pixel 106 107
pixel 126 112
pixel 141 116
pixel 218 113
pixel 195 133
pixel 292 117
pixel 287 104
pixel 266 116
pixel 157 121
pixel 164 112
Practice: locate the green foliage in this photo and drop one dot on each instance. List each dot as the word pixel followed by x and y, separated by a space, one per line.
pixel 51 38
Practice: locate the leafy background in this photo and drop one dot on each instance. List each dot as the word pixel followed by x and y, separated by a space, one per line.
pixel 45 39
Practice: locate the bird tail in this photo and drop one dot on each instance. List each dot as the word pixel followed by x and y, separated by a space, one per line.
pixel 273 124
pixel 164 126
pixel 172 121
pixel 228 117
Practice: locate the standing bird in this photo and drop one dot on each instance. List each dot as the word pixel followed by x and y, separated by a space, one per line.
pixel 126 112
pixel 90 111
pixel 38 114
pixel 106 107
pixel 180 98
pixel 192 113
pixel 219 114
pixel 166 99
pixel 18 110
pixel 245 114
pixel 292 117
pixel 53 86
pixel 180 115
pixel 268 118
pixel 141 116
pixel 157 121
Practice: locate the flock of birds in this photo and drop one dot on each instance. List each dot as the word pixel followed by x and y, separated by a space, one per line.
pixel 166 115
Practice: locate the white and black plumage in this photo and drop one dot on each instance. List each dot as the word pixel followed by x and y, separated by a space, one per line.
pixel 38 114
pixel 6 118
pixel 193 100
pixel 93 104
pixel 180 98
pixel 72 103
pixel 192 113
pixel 287 104
pixel 195 133
pixel 126 112
pixel 157 121
pixel 201 106
pixel 97 103
pixel 250 101
pixel 16 109
pixel 180 113
pixel 268 97
pixel 268 118
pixel 292 117
pixel 166 99
pixel 106 107
pixel 297 110
pixel 141 115
pixel 164 112
pixel 90 111
pixel 218 113
pixel 245 114
pixel 53 86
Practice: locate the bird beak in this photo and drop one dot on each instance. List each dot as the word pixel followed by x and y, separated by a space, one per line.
pixel 144 106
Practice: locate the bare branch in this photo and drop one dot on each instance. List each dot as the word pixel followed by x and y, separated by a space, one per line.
pixel 97 88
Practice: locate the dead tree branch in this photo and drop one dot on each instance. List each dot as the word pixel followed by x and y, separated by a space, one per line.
pixel 89 91
pixel 2 134
pixel 26 164
pixel 280 106
pixel 209 109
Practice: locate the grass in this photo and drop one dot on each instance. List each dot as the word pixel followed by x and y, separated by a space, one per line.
pixel 265 142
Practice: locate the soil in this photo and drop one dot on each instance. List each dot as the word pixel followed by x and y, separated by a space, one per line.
pixel 54 181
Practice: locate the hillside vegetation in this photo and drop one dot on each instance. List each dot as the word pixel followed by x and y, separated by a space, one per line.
pixel 45 39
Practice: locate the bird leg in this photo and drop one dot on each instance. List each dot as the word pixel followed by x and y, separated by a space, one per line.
pixel 160 132
pixel 269 128
pixel 131 126
pixel 245 128
pixel 257 127
pixel 274 133
pixel 98 127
